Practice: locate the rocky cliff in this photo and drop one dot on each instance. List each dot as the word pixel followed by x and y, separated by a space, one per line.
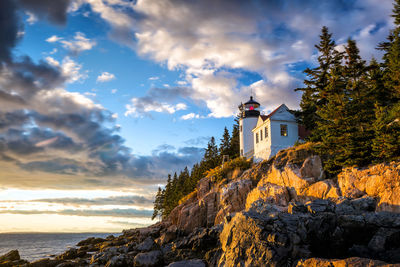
pixel 282 212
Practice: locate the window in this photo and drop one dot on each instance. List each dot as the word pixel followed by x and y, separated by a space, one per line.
pixel 261 136
pixel 284 131
pixel 266 132
pixel 241 129
pixel 256 137
pixel 241 152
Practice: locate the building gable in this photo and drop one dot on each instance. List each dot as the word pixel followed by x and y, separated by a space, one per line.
pixel 282 113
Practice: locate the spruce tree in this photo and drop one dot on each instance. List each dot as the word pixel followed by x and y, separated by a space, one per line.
pixel 234 145
pixel 314 94
pixel 360 110
pixel 224 147
pixel 386 145
pixel 158 204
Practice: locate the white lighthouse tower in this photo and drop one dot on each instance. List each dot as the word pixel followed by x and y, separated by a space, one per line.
pixel 249 113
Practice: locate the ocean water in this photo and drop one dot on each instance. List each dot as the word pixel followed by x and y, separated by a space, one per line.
pixel 38 245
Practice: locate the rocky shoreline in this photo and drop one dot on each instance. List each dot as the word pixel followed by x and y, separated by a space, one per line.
pixel 281 212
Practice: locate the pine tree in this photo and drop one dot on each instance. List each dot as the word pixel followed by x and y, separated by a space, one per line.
pixel 360 110
pixel 386 145
pixel 234 145
pixel 158 204
pixel 211 156
pixel 314 94
pixel 224 147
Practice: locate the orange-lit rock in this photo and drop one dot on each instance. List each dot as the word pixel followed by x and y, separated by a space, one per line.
pixel 381 181
pixel 354 262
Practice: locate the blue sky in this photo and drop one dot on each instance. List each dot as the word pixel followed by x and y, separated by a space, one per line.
pixel 102 98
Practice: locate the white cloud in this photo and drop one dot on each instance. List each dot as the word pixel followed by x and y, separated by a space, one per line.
pixel 137 108
pixel 204 37
pixel 105 77
pixel 113 91
pixel 154 78
pixel 52 62
pixel 32 19
pixel 190 116
pixel 70 69
pixel 114 115
pixel 53 39
pixel 79 44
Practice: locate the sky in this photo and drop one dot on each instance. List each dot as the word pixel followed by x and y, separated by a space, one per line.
pixel 101 99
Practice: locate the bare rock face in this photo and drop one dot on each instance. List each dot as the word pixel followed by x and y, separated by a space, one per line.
pixel 381 181
pixel 320 228
pixel 300 182
pixel 268 193
pixel 354 261
pixel 232 198
pixel 148 259
pixel 210 204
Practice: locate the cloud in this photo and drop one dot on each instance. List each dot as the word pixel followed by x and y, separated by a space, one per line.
pixel 31 18
pixel 79 43
pixel 215 42
pixel 157 100
pixel 53 39
pixel 138 107
pixel 113 91
pixel 53 138
pixel 132 213
pixel 190 116
pixel 154 78
pixel 105 77
pixel 129 200
pixel 70 69
pixel 55 11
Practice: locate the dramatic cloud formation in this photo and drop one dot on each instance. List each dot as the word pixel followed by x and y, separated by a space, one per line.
pixel 214 40
pixel 53 138
pixel 47 130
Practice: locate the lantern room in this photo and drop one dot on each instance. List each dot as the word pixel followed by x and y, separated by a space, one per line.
pixel 249 109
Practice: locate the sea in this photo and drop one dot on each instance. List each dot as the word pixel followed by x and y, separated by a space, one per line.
pixel 34 246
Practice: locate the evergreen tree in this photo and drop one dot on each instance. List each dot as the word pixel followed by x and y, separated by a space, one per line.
pixel 158 204
pixel 224 147
pixel 386 145
pixel 234 145
pixel 315 94
pixel 211 156
pixel 360 110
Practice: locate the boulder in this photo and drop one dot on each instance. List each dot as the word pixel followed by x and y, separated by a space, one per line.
pixel 91 241
pixel 148 259
pixel 147 245
pixel 268 193
pixel 232 198
pixel 12 255
pixel 354 262
pixel 381 181
pixel 312 167
pixel 188 263
pixel 326 189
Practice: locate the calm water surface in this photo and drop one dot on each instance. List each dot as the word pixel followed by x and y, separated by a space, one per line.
pixel 36 246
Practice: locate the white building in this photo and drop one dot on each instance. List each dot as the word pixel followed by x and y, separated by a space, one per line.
pixel 262 136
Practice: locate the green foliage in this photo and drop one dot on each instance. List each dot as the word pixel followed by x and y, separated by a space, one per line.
pixel 221 172
pixel 353 108
pixel 181 186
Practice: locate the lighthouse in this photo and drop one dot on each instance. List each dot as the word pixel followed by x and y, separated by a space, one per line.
pixel 248 117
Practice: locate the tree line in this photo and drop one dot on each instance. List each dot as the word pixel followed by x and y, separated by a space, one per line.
pixel 351 107
pixel 179 185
